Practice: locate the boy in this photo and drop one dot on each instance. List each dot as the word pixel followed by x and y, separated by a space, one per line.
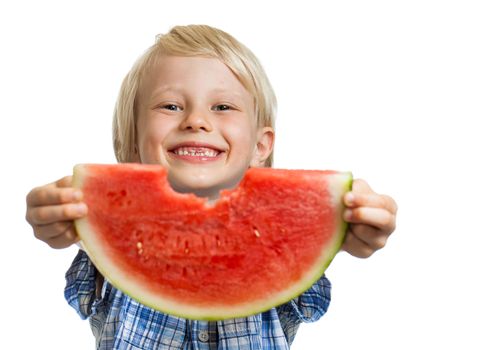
pixel 199 103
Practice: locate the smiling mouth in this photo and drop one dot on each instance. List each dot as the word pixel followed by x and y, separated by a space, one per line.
pixel 196 152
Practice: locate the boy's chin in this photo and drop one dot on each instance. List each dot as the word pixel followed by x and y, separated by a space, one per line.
pixel 199 187
pixel 202 186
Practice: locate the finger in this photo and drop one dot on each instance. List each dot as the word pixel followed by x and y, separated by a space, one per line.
pixel 356 247
pixel 373 200
pixel 374 238
pixel 54 213
pixel 49 195
pixel 64 182
pixel 377 217
pixel 39 195
pixel 64 240
pixel 46 232
pixel 360 185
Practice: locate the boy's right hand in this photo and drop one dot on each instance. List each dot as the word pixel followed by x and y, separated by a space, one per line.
pixel 51 209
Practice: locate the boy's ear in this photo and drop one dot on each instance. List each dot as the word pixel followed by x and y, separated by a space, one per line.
pixel 263 147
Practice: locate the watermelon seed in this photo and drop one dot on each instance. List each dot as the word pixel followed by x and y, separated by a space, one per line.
pixel 256 232
pixel 186 250
pixel 139 245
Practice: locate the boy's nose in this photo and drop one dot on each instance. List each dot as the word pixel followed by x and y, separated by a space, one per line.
pixel 196 121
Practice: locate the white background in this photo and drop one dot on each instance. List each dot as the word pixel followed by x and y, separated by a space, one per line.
pixel 406 94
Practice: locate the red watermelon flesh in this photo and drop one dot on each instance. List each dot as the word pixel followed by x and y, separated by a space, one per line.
pixel 258 246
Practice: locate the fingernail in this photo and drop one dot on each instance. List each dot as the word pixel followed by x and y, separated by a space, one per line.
pixel 347 215
pixel 80 208
pixel 350 198
pixel 77 195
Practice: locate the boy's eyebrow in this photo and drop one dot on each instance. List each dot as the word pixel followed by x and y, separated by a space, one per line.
pixel 226 91
pixel 166 88
pixel 178 90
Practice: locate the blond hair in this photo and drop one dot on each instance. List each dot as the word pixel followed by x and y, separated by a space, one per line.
pixel 190 41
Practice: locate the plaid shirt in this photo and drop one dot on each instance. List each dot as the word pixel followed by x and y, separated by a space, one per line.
pixel 119 322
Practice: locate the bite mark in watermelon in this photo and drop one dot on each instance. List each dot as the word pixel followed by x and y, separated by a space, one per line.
pixel 260 245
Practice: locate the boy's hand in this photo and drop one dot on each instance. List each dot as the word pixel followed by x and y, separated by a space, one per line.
pixel 51 209
pixel 371 218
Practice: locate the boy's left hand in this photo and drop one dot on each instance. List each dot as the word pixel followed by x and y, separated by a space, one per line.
pixel 371 219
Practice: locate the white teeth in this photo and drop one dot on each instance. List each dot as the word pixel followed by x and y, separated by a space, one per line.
pixel 196 152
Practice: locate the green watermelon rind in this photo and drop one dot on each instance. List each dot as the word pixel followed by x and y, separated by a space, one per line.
pixel 122 281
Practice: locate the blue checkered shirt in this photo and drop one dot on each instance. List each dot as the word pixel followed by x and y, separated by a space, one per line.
pixel 119 322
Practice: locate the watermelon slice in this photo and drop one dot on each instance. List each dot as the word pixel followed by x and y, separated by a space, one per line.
pixel 258 246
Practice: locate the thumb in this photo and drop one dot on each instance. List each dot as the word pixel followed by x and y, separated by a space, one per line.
pixel 64 182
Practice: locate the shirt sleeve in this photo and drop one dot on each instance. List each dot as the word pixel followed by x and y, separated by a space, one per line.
pixel 313 303
pixel 80 290
pixel 308 307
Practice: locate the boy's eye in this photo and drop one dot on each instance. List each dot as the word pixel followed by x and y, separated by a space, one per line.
pixel 221 107
pixel 172 107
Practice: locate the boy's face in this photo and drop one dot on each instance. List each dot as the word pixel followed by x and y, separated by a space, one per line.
pixel 197 120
